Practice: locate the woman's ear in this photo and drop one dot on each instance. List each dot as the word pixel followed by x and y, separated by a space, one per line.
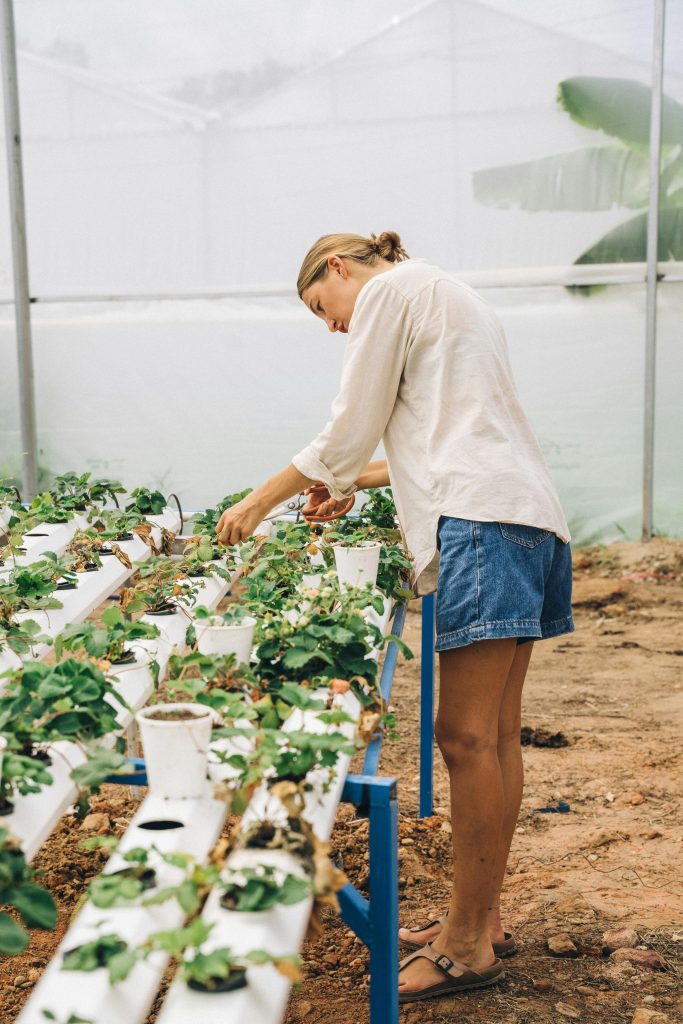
pixel 335 264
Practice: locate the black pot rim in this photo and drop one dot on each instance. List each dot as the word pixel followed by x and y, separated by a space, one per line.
pixel 6 807
pixel 129 658
pixel 237 979
pixel 148 876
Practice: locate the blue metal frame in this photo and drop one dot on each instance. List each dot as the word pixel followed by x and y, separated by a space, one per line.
pixel 371 759
pixel 427 706
pixel 375 920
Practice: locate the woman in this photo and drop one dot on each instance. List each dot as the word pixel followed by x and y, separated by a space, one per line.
pixel 426 370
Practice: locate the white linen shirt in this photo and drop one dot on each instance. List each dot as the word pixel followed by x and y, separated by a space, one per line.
pixel 426 369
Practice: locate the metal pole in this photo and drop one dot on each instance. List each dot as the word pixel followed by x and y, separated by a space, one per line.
pixel 19 256
pixel 651 277
pixel 427 707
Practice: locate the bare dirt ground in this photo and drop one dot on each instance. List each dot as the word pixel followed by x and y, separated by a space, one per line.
pixel 615 859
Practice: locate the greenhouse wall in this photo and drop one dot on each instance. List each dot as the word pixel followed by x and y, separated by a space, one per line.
pixel 426 125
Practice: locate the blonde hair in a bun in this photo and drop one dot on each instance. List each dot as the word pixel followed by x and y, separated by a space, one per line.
pixel 386 246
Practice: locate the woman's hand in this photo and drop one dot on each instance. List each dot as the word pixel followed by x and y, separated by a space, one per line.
pixel 240 521
pixel 320 503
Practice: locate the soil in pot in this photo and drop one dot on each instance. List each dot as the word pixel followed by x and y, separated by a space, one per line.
pixel 179 715
pixel 6 807
pixel 65 586
pixel 36 535
pixel 168 609
pixel 236 979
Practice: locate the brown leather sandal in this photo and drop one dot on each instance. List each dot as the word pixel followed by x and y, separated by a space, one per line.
pixel 506 947
pixel 458 976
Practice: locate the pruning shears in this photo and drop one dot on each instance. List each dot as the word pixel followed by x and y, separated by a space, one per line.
pixel 301 502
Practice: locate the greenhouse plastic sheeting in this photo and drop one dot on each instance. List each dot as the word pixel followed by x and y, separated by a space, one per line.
pixel 145 172
pixel 208 397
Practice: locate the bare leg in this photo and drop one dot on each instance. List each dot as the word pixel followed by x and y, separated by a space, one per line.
pixel 472 683
pixel 512 769
pixel 510 760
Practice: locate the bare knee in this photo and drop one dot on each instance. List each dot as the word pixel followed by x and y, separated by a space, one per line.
pixel 460 746
pixel 509 736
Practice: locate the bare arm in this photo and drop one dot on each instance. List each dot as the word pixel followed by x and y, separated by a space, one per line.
pixel 375 474
pixel 240 521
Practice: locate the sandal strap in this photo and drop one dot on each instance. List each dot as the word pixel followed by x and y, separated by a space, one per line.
pixel 440 960
pixel 423 927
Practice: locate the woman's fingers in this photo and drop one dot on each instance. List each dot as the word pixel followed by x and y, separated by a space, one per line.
pixel 237 523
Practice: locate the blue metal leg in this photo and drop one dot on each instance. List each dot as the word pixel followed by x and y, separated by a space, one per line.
pixel 384 904
pixel 427 707
pixel 371 759
pixel 375 921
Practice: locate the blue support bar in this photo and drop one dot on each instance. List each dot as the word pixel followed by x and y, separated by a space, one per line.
pixel 371 760
pixel 427 707
pixel 375 921
pixel 384 909
pixel 137 776
pixel 355 912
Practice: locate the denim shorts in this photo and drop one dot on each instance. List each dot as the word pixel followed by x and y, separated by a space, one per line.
pixel 500 580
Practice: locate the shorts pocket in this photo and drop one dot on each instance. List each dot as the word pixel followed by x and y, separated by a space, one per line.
pixel 526 536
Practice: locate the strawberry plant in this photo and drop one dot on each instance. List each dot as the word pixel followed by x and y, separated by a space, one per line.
pixel 117 524
pixel 260 888
pixel 126 884
pixel 207 521
pixel 45 509
pixel 147 503
pixel 200 558
pixel 108 951
pixel 159 588
pixel 111 640
pixel 75 493
pixel 42 703
pixel 20 637
pixel 17 889
pixel 28 587
pixel 22 775
pixel 331 639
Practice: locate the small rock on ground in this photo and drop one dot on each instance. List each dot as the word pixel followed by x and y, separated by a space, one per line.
pixel 562 945
pixel 645 1016
pixel 567 1010
pixel 619 939
pixel 644 958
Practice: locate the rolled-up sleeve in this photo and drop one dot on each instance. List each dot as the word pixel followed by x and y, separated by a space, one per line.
pixel 376 350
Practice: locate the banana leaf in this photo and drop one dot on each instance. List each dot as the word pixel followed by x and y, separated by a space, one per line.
pixel 627 243
pixel 595 178
pixel 619 107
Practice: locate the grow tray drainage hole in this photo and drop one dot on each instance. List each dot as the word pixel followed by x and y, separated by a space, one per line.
pixel 161 824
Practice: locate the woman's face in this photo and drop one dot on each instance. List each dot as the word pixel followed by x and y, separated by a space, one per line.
pixel 333 297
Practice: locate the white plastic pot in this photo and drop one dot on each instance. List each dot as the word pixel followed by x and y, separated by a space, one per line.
pixel 357 565
pixel 176 751
pixel 216 637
